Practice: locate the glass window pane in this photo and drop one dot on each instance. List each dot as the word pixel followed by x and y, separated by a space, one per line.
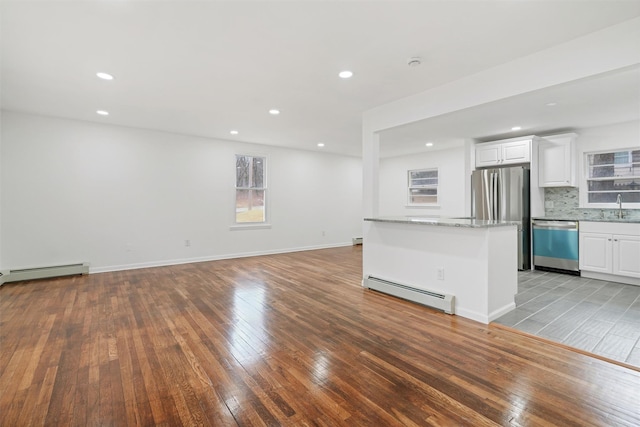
pixel 258 172
pixel 423 195
pixel 250 206
pixel 601 171
pixel 619 163
pixel 423 199
pixel 601 159
pixel 419 178
pixel 243 164
pixel 614 185
pixel 423 186
pixel 627 169
pixel 621 157
pixel 633 197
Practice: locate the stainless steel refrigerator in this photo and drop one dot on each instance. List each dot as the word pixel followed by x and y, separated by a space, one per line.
pixel 503 194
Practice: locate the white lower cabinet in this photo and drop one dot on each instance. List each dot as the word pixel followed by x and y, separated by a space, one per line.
pixel 626 255
pixel 596 252
pixel 610 249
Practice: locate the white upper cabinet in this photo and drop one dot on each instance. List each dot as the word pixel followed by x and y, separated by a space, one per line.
pixel 556 161
pixel 503 153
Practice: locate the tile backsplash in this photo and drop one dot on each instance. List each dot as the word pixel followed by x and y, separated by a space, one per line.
pixel 565 204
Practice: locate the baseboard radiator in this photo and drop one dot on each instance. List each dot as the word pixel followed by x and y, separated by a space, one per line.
pixel 357 241
pixel 45 272
pixel 432 299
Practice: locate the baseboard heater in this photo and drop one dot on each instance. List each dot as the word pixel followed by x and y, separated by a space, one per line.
pixel 45 272
pixel 357 241
pixel 432 299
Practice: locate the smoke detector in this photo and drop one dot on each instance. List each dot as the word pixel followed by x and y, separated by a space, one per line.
pixel 414 61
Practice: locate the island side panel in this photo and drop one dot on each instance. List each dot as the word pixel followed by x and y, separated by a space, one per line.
pixel 412 254
pixel 503 282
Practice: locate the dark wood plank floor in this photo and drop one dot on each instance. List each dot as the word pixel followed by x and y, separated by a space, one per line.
pixel 287 339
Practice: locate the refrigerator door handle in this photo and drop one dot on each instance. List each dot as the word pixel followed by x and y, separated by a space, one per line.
pixel 504 193
pixel 496 196
pixel 486 189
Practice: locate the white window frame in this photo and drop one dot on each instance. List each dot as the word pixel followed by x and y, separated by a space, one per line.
pixel 585 182
pixel 257 224
pixel 433 186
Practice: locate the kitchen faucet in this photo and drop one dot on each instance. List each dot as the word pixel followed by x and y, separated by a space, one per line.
pixel 619 202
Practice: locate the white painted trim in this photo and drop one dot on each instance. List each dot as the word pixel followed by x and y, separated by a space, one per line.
pixel 501 311
pixel 479 317
pixel 472 315
pixel 211 258
pixel 249 227
pixel 4 278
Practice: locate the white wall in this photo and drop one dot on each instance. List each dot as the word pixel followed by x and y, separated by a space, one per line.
pixel 452 176
pixel 1 181
pixel 611 137
pixel 120 197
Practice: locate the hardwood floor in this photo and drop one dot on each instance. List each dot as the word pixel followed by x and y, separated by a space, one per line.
pixel 287 339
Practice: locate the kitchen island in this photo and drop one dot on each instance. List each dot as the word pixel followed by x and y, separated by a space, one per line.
pixel 474 261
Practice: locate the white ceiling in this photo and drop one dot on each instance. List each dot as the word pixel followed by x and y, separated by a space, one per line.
pixel 204 68
pixel 599 100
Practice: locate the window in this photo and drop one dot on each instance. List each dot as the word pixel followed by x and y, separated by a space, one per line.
pixel 251 188
pixel 612 173
pixel 423 187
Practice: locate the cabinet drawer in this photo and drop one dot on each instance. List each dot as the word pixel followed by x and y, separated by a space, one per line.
pixel 631 229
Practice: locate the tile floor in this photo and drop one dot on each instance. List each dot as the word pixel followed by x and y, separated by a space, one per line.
pixel 593 315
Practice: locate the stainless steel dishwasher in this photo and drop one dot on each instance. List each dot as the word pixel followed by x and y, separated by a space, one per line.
pixel 555 245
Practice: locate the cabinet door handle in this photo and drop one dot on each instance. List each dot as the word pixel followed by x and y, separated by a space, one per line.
pixel 609 239
pixel 615 240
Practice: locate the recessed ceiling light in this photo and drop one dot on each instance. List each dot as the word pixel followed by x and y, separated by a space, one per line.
pixel 429 144
pixel 233 132
pixel 551 104
pixel 516 128
pixel 105 76
pixel 102 112
pixel 274 112
pixel 320 144
pixel 345 74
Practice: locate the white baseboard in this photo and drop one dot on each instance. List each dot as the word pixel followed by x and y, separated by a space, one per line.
pixel 165 263
pixel 501 311
pixel 4 277
pixel 610 277
pixel 472 315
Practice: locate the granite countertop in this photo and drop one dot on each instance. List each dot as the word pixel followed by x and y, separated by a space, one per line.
pixel 443 221
pixel 573 218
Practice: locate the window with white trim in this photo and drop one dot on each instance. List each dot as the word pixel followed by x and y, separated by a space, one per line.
pixel 251 189
pixel 423 187
pixel 611 173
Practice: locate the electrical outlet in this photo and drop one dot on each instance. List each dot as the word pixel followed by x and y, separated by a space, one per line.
pixel 187 243
pixel 441 274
